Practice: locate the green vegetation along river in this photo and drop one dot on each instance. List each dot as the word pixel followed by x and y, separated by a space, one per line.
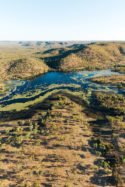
pixel 21 94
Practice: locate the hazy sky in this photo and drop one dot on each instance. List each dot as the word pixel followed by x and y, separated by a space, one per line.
pixel 62 19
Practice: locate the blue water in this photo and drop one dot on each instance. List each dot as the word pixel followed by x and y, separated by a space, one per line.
pixel 58 80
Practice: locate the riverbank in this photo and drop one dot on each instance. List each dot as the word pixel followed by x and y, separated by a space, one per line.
pixel 22 94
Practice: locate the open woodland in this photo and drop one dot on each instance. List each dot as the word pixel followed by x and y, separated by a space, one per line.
pixel 64 136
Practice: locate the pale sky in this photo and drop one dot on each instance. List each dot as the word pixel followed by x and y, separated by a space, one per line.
pixel 62 19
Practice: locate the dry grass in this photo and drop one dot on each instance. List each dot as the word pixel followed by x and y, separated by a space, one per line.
pixel 57 154
pixel 67 58
pixel 118 80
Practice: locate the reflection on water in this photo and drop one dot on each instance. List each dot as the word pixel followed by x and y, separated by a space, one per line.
pixel 26 90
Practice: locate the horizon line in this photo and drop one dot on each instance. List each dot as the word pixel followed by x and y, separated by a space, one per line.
pixel 60 40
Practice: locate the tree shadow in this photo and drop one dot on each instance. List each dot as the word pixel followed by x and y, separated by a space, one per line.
pixel 100 179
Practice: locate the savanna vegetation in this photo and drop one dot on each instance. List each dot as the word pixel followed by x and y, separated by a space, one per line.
pixel 65 138
pixel 64 57
pixel 118 80
pixel 88 57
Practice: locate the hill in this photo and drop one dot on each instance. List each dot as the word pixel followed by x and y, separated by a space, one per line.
pixel 17 61
pixel 42 146
pixel 26 67
pixel 87 56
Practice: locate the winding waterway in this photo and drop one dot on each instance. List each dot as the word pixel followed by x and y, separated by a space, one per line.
pixel 28 92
